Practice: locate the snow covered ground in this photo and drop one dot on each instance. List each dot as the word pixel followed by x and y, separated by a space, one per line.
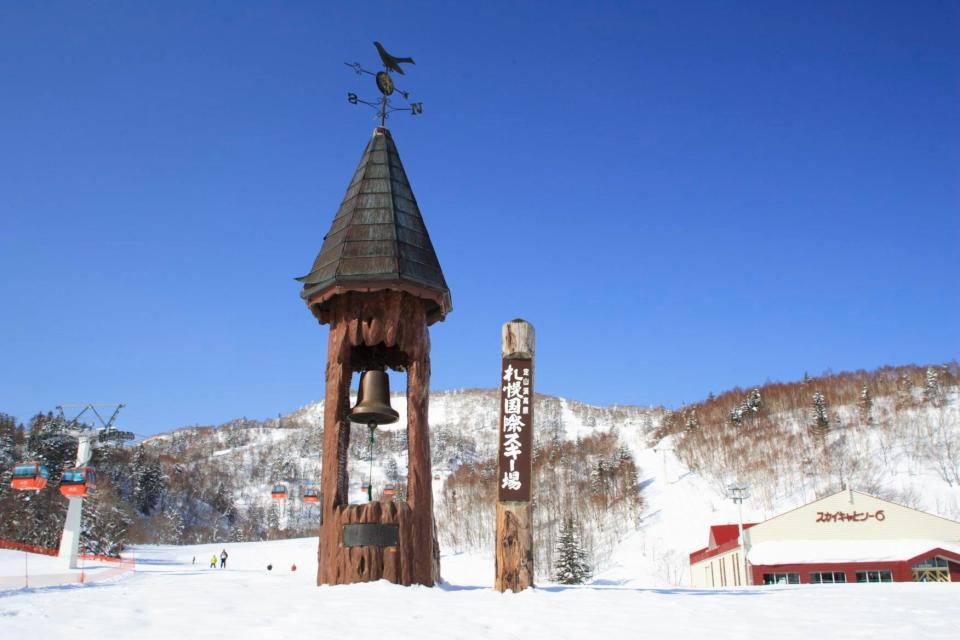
pixel 169 596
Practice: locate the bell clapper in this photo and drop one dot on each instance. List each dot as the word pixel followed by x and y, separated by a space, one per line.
pixel 373 427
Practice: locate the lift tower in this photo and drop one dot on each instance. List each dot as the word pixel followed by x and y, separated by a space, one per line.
pixel 88 438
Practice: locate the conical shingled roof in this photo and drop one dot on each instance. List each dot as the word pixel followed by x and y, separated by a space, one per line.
pixel 378 239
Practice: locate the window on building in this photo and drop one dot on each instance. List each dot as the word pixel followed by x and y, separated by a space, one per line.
pixel 781 578
pixel 935 562
pixel 827 577
pixel 874 576
pixel 935 569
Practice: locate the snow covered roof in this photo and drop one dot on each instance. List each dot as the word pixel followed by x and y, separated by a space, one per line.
pixel 845 551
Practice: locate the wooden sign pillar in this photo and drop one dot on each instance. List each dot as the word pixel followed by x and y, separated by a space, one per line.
pixel 514 544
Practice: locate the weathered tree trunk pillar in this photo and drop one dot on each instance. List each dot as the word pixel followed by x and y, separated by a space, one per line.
pixel 336 440
pixel 514 543
pixel 426 569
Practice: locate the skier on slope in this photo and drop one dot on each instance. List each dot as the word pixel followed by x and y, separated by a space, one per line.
pixel 213 561
pixel 223 559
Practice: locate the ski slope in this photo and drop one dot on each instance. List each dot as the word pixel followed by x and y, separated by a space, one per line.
pixel 168 596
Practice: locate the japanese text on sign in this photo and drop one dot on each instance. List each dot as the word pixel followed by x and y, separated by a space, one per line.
pixel 516 426
pixel 850 516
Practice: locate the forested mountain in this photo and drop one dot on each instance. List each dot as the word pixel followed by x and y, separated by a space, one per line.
pixel 893 432
pixel 203 484
pixel 859 429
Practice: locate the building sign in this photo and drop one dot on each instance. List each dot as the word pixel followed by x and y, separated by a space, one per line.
pixel 516 430
pixel 854 516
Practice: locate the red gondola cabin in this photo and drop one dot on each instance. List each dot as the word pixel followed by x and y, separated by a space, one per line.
pixel 311 495
pixel 29 476
pixel 279 492
pixel 78 482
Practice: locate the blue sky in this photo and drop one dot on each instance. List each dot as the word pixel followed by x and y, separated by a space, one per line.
pixel 681 197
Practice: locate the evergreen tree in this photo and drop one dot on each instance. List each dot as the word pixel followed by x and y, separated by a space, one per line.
pixel 598 478
pixel 931 387
pixel 148 483
pixel 273 517
pixel 105 522
pixel 138 469
pixel 820 422
pixel 283 467
pixel 293 515
pixel 49 444
pixel 8 430
pixel 571 565
pixel 749 407
pixel 223 503
pixel 8 458
pixel 865 405
pixel 38 520
pixel 736 416
pixel 254 523
pixel 905 392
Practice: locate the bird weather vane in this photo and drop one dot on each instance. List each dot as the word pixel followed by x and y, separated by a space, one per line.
pixel 391 64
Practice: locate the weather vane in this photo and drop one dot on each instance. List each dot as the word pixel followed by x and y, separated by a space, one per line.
pixel 391 64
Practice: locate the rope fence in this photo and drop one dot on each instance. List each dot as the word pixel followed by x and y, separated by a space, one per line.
pixel 105 568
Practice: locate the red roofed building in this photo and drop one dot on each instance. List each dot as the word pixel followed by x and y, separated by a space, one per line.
pixel 846 537
pixel 721 561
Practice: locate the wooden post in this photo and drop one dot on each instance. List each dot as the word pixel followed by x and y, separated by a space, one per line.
pixel 336 442
pixel 514 543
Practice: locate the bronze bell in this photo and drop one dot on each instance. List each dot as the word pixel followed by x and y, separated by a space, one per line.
pixel 373 400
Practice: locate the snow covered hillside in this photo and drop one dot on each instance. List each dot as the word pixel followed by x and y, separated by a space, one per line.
pixel 236 464
pixel 168 596
pixel 643 484
pixel 895 444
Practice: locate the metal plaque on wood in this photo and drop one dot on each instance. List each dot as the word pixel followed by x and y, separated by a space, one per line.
pixel 371 535
pixel 516 430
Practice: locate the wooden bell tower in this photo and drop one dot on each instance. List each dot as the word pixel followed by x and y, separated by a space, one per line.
pixel 378 284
